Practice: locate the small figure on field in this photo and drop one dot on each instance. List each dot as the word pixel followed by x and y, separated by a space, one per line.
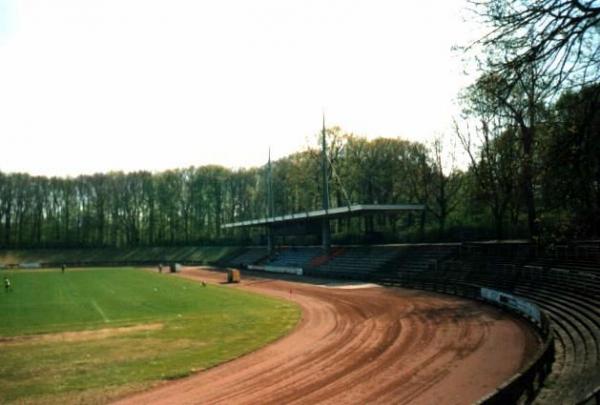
pixel 203 283
pixel 160 267
pixel 7 286
pixel 62 268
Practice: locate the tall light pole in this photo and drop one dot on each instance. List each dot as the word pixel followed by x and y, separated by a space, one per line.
pixel 270 210
pixel 325 230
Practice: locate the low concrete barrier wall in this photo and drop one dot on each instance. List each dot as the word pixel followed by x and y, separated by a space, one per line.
pixel 523 386
pixel 524 307
pixel 278 269
pixel 30 265
pixel 593 398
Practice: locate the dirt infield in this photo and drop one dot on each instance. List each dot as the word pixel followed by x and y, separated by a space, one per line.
pixel 363 345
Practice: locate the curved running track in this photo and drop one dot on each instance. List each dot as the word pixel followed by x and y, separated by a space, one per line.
pixel 371 345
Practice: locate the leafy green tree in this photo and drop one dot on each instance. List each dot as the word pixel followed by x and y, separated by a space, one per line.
pixel 494 166
pixel 561 37
pixel 443 188
pixel 571 162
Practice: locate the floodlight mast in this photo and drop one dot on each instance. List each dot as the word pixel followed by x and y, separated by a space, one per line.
pixel 270 210
pixel 325 230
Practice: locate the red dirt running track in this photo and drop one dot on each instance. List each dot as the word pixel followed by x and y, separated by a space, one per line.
pixel 359 346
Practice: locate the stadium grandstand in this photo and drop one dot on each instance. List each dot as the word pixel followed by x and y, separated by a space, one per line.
pixel 564 282
pixel 560 287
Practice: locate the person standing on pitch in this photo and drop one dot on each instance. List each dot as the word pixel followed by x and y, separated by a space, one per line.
pixel 62 268
pixel 7 286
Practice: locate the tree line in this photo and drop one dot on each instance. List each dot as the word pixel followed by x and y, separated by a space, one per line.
pixel 484 199
pixel 188 206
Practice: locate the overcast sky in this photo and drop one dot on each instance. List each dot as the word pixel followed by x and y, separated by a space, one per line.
pixel 96 85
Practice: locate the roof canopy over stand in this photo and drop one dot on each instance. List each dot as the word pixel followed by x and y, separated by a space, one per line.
pixel 322 216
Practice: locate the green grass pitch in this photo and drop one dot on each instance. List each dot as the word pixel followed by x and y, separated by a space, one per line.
pixel 138 328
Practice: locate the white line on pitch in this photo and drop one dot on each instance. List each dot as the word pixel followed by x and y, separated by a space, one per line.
pixel 100 311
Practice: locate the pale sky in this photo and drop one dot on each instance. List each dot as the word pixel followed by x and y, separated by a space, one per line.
pixel 96 85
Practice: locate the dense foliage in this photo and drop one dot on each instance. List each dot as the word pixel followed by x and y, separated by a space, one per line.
pixel 538 69
pixel 188 206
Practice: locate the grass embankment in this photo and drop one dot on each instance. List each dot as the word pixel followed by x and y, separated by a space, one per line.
pixel 203 254
pixel 184 327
